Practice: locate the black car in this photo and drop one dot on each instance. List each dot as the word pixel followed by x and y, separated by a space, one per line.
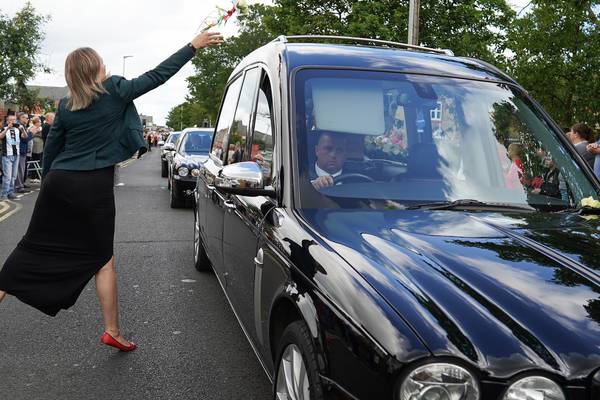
pixel 168 148
pixel 401 224
pixel 183 164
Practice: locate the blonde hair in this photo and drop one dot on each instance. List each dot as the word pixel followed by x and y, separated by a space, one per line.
pixel 82 73
pixel 35 120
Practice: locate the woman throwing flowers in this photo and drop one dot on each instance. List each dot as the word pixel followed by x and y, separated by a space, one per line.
pixel 70 236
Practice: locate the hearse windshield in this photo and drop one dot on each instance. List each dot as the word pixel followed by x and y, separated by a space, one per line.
pixel 391 140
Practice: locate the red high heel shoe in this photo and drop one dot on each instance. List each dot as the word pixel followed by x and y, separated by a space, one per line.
pixel 108 340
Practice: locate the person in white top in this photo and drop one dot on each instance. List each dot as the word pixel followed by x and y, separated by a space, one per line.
pixel 331 156
pixel 10 138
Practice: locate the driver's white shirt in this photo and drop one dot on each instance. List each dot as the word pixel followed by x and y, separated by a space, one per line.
pixel 320 172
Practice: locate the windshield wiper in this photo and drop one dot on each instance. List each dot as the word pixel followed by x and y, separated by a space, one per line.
pixel 468 203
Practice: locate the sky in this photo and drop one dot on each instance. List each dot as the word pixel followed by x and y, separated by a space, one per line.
pixel 148 30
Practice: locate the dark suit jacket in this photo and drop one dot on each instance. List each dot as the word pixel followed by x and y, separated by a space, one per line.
pixel 45 131
pixel 109 130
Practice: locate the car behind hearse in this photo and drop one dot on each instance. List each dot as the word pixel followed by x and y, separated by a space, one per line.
pixel 183 163
pixel 393 222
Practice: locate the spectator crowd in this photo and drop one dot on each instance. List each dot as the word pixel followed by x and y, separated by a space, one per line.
pixel 21 140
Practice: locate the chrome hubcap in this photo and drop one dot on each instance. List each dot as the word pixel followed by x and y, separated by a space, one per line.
pixel 292 377
pixel 196 236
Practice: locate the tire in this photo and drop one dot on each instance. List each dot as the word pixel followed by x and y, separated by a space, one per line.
pixel 175 201
pixel 296 342
pixel 201 261
pixel 164 172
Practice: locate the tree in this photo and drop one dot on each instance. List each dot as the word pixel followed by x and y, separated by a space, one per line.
pixel 556 47
pixel 186 115
pixel 215 64
pixel 472 28
pixel 20 41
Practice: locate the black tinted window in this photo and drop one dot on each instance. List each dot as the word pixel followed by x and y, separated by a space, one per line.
pixel 239 129
pixel 225 118
pixel 262 139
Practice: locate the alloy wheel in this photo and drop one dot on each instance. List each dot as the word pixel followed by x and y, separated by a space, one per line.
pixel 292 378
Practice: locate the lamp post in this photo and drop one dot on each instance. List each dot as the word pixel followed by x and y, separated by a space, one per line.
pixel 181 117
pixel 413 22
pixel 125 58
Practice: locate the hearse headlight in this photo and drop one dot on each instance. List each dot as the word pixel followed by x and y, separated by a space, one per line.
pixel 183 171
pixel 439 381
pixel 534 387
pixel 195 172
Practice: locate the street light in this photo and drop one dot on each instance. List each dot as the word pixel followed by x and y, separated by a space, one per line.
pixel 125 58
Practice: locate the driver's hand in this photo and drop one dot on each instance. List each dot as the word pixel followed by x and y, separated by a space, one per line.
pixel 322 182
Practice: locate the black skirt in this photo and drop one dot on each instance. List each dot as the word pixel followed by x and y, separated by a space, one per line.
pixel 70 238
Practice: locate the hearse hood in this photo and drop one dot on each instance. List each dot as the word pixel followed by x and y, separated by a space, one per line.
pixel 507 292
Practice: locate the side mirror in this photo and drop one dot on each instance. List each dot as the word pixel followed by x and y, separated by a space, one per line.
pixel 243 178
pixel 169 146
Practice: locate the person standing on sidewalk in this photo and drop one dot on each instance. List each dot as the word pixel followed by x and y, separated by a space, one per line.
pixel 48 121
pixel 10 139
pixel 20 186
pixel 73 221
pixel 37 143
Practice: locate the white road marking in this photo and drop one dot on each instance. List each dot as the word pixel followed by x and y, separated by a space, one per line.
pixel 188 281
pixel 14 211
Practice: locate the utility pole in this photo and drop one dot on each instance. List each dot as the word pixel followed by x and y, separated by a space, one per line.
pixel 181 117
pixel 413 22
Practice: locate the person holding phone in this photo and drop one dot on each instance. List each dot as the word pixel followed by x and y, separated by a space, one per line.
pixel 73 222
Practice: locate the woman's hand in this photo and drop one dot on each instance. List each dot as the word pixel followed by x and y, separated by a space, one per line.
pixel 206 39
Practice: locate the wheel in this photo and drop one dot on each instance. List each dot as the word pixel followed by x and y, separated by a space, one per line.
pixel 297 374
pixel 175 201
pixel 201 261
pixel 163 169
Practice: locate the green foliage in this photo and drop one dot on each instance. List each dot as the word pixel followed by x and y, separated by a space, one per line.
pixel 215 64
pixel 472 28
pixel 556 47
pixel 21 37
pixel 187 115
pixel 553 48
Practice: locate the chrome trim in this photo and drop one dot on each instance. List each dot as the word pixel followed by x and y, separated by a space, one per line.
pixel 242 175
pixel 285 39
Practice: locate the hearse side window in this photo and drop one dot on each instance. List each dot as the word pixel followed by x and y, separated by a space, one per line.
pixel 238 135
pixel 262 137
pixel 225 118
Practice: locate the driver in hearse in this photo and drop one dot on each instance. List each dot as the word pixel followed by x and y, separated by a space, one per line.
pixel 331 156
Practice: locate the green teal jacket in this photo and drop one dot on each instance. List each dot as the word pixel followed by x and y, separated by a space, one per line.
pixel 109 130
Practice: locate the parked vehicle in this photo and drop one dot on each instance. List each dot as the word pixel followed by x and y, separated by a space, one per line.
pixel 400 224
pixel 168 148
pixel 183 164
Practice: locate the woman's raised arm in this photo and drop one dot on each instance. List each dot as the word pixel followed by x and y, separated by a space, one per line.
pixel 129 90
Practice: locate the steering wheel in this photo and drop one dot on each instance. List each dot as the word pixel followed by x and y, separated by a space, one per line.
pixel 345 177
